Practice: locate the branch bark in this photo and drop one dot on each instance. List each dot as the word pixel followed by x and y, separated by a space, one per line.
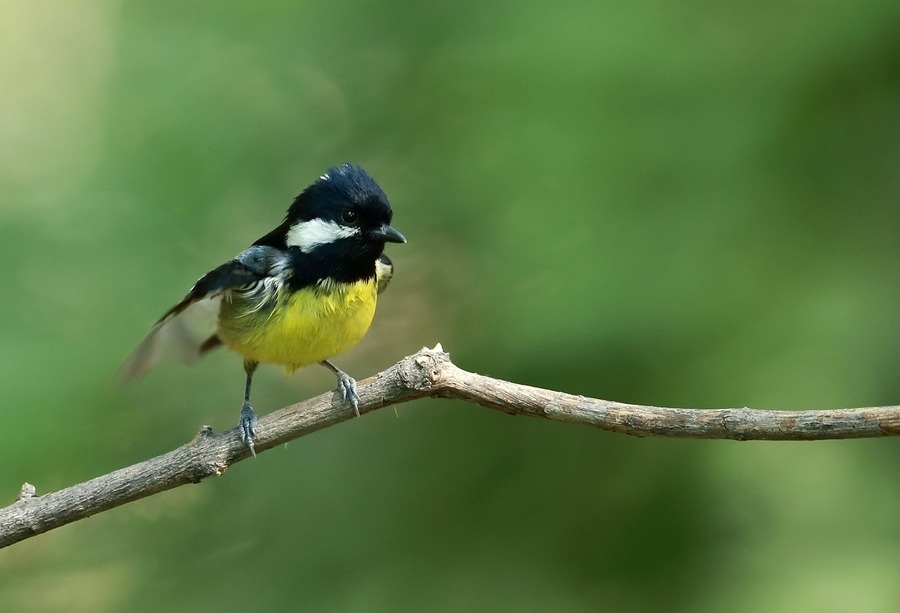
pixel 427 373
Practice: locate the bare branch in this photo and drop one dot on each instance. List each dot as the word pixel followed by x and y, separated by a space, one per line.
pixel 427 373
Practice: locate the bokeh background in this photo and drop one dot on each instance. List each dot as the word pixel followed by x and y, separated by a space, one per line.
pixel 686 204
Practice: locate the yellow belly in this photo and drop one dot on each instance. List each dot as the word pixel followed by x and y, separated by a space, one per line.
pixel 306 326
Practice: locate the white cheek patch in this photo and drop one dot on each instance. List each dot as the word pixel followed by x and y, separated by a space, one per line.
pixel 310 234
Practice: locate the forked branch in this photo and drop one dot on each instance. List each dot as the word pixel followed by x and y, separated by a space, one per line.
pixel 427 373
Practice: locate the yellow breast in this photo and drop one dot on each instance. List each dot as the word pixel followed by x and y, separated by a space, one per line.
pixel 304 327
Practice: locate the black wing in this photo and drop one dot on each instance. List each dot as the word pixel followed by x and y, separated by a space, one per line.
pixel 188 328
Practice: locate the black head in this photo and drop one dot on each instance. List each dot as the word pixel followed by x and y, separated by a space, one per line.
pixel 337 227
pixel 345 202
pixel 339 189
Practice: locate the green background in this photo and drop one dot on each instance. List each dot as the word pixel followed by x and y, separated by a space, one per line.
pixel 676 203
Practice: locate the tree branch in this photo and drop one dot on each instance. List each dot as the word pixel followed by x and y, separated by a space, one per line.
pixel 427 373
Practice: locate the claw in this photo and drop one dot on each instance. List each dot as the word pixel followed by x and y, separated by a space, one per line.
pixel 247 426
pixel 347 387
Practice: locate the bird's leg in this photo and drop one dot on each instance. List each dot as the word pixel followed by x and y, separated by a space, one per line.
pixel 346 385
pixel 247 422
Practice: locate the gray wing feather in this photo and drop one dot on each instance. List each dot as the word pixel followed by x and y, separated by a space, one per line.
pixel 187 329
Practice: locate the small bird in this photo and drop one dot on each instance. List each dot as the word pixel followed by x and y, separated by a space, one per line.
pixel 301 294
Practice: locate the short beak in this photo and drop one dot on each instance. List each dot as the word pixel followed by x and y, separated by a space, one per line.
pixel 388 234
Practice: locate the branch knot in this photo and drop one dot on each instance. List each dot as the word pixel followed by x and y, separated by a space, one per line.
pixel 423 370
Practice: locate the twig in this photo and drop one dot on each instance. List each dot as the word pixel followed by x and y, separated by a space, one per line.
pixel 427 373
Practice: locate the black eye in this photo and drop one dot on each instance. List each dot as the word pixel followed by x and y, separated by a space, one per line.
pixel 349 217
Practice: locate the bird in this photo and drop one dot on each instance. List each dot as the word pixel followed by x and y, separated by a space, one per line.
pixel 300 295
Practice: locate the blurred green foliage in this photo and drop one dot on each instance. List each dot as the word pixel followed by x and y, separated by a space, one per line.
pixel 691 204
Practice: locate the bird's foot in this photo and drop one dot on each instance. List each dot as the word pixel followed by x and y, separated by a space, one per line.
pixel 346 385
pixel 247 426
pixel 347 388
